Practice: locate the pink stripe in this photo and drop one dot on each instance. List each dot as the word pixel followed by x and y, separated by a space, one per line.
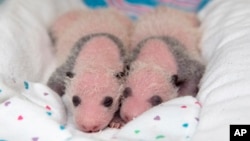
pixel 188 3
pixel 120 4
pixel 136 8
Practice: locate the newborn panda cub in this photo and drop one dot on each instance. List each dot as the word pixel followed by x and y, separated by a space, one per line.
pixel 90 48
pixel 165 61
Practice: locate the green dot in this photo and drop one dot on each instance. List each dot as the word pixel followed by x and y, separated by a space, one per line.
pixel 137 131
pixel 160 137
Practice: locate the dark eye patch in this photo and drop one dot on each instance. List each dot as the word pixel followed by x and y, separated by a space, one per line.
pixel 127 92
pixel 70 74
pixel 175 80
pixel 76 100
pixel 108 101
pixel 155 100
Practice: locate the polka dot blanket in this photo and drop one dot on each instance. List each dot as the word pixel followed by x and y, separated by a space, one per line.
pixel 30 111
pixel 38 114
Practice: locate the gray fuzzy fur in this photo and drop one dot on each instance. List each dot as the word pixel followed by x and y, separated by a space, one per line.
pixel 190 70
pixel 57 79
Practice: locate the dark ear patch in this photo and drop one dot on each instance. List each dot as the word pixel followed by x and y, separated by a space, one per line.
pixel 175 80
pixel 70 74
pixel 189 87
pixel 57 85
pixel 76 100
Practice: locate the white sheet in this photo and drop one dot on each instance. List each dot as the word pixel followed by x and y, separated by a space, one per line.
pixel 225 91
pixel 31 111
pixel 25 47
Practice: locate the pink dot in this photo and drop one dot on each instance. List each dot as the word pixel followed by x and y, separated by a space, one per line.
pixel 157 118
pixel 48 107
pixel 20 117
pixel 183 106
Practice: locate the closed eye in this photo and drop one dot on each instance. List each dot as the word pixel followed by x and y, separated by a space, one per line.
pixel 155 100
pixel 127 92
pixel 76 100
pixel 108 101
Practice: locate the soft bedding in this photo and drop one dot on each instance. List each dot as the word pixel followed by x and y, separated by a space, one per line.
pixel 30 111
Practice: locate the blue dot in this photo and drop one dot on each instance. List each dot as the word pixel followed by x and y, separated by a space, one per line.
pixel 185 125
pixel 26 85
pixel 49 113
pixel 62 127
pixel 144 2
pixel 0 92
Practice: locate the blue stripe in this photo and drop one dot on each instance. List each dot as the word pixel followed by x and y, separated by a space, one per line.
pixel 203 4
pixel 95 3
pixel 145 2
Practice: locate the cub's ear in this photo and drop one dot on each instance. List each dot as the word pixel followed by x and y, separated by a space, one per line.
pixel 70 74
pixel 175 80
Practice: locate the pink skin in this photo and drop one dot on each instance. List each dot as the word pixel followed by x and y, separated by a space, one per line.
pixel 148 78
pixel 151 73
pixel 96 65
pixel 93 81
pixel 91 115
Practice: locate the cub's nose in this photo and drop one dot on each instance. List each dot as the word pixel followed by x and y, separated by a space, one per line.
pixel 90 128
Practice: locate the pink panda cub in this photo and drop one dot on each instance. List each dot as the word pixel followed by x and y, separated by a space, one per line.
pixel 165 61
pixel 91 47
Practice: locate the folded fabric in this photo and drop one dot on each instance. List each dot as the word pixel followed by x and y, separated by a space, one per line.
pixel 135 8
pixel 37 113
pixel 175 120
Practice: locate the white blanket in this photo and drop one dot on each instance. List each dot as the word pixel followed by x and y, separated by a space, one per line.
pixel 225 91
pixel 30 111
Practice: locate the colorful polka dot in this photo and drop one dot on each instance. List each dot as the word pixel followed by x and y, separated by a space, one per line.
pixel 35 139
pixel 7 103
pixel 2 140
pixel 45 94
pixel 49 113
pixel 62 127
pixel 137 131
pixel 183 106
pixel 0 91
pixel 197 119
pixel 48 107
pixel 26 85
pixel 20 117
pixel 157 118
pixel 185 125
pixel 159 137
